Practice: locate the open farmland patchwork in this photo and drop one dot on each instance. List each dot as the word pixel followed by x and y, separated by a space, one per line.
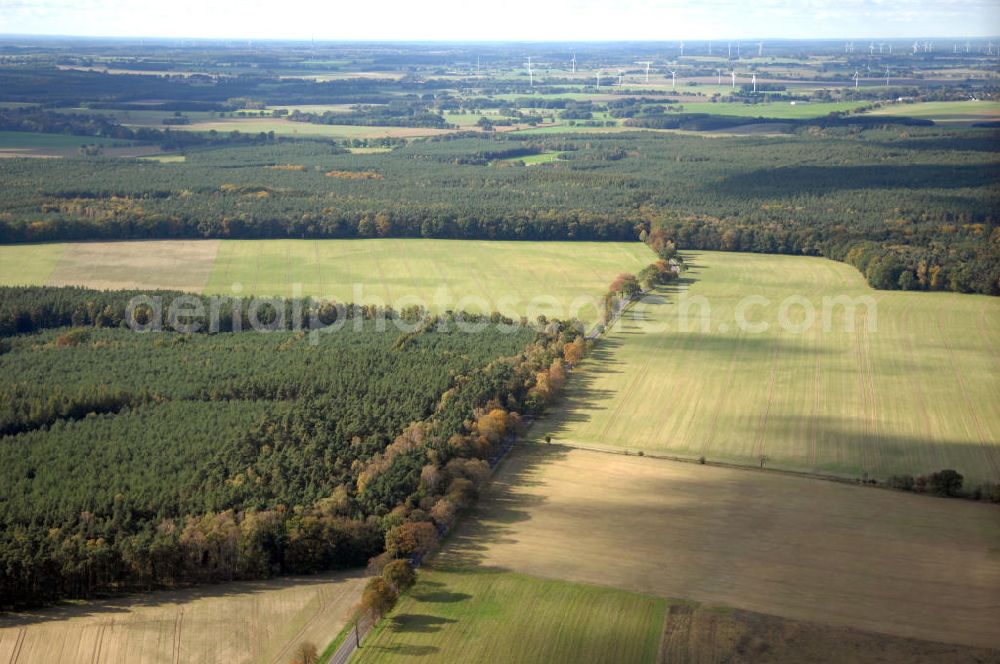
pixel 909 387
pixel 798 548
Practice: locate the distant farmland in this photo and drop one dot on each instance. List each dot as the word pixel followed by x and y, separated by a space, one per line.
pixel 444 274
pixel 915 395
pixel 948 112
pixel 254 622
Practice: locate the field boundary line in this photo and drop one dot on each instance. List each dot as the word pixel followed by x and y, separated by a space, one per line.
pixel 840 479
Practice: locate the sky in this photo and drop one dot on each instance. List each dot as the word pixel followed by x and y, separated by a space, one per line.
pixel 514 20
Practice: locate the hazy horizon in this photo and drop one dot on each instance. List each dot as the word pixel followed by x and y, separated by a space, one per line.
pixel 519 21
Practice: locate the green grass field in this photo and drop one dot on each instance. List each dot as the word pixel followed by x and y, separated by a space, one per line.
pixel 28 140
pixel 460 274
pixel 28 264
pixel 780 110
pixel 948 112
pixel 913 395
pixel 443 274
pixel 482 616
pixel 530 160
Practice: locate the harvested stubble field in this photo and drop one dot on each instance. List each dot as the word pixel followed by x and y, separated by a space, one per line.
pixel 910 387
pixel 259 622
pixel 834 554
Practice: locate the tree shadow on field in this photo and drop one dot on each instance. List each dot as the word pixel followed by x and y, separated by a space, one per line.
pixel 502 504
pixel 442 597
pixel 419 622
pixel 982 143
pixel 404 650
pixel 887 453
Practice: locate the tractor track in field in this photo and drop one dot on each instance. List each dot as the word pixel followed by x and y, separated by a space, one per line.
pixel 99 645
pixel 921 399
pixel 759 445
pixel 984 440
pixel 18 645
pixel 175 656
pixel 282 654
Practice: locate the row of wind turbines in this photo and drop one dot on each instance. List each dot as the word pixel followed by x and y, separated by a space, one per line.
pixel 924 47
pixel 673 75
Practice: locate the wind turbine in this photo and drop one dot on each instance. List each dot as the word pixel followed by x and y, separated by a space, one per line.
pixel 730 50
pixel 682 49
pixel 916 47
pixel 886 77
pixel 871 49
pixel 531 74
pixel 760 49
pixel 710 48
pixel 598 75
pixel 733 74
pixel 966 48
pixel 880 48
pixel 720 76
pixel 739 45
pixel 890 49
pixel 673 79
pixel 621 77
pixel 856 77
pixel 477 66
pixel 754 80
pixel 574 63
pixel 647 63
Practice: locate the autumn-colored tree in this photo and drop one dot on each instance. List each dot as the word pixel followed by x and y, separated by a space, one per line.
pixel 474 470
pixel 378 598
pixel 443 513
pixel 573 352
pixel 430 478
pixel 411 539
pixel 493 425
pixel 626 284
pixel 557 375
pixel 399 574
pixel 339 502
pixel 542 387
pixel 462 492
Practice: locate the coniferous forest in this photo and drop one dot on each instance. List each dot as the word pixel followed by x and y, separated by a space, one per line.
pixel 134 461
